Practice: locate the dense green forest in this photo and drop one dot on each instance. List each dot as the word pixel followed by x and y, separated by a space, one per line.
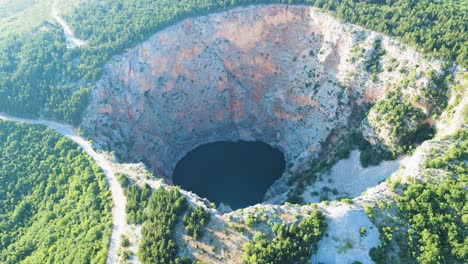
pixel 291 243
pixel 55 205
pixel 437 212
pixel 39 76
pixel 157 245
pixel 158 211
pixel 137 201
pixel 432 212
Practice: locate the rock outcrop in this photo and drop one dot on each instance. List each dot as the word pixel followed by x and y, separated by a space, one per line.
pixel 284 75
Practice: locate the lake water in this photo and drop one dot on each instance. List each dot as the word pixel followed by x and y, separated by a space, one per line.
pixel 235 173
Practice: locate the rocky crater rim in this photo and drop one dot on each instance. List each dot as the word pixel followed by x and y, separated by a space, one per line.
pixel 288 76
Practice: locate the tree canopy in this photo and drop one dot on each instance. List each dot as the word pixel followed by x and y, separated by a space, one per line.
pixel 291 243
pixel 432 219
pixel 157 244
pixel 55 205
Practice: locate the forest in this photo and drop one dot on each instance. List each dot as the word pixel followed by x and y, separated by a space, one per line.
pixel 38 76
pixel 158 211
pixel 157 245
pixel 437 212
pixel 55 205
pixel 54 200
pixel 137 201
pixel 433 211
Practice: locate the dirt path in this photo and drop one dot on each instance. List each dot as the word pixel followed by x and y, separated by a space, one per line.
pixel 72 41
pixel 118 197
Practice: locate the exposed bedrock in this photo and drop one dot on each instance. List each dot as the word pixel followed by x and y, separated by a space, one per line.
pixel 283 75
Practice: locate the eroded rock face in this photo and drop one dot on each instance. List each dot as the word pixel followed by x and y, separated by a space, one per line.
pixel 283 75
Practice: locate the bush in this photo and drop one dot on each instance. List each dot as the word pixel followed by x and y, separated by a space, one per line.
pixel 251 220
pixel 137 200
pixel 347 200
pixel 194 220
pixel 291 242
pixel 362 231
pixel 157 244
pixel 125 242
pixel 396 114
pixel 372 63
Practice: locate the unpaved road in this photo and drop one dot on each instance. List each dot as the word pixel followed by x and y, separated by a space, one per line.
pixel 119 220
pixel 72 41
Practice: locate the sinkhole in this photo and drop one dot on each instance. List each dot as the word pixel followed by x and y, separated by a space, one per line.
pixel 237 174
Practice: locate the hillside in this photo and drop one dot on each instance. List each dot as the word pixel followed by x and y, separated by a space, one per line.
pixel 366 100
pixel 112 26
pixel 55 204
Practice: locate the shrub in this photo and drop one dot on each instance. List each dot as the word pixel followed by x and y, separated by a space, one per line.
pixel 194 220
pixel 347 200
pixel 291 242
pixel 157 244
pixel 362 231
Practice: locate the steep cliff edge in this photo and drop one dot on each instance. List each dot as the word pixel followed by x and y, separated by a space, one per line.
pixel 285 75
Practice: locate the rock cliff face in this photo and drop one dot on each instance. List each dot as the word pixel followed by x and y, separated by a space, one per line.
pixel 284 75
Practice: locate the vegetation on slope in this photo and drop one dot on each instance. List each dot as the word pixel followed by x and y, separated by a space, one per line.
pixel 54 200
pixel 372 63
pixel 404 120
pixel 162 214
pixel 436 213
pixel 137 200
pixel 432 211
pixel 195 220
pixel 158 211
pixel 291 243
pixel 436 27
pixel 32 77
pixel 401 121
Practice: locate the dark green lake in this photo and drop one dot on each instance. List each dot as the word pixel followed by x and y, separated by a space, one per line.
pixel 235 173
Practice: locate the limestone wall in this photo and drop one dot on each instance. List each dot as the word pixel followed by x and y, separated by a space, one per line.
pixel 284 75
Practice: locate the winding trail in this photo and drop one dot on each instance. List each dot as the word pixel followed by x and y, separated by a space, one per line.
pixel 119 201
pixel 72 41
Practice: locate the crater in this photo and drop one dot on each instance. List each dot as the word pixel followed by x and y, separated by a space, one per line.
pixel 236 174
pixel 289 76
